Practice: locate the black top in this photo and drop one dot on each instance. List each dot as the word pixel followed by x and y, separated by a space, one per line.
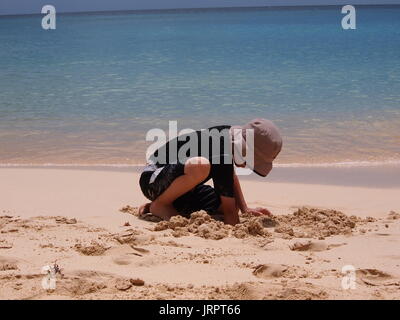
pixel 213 143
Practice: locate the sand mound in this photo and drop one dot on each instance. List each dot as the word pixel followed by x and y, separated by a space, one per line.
pixel 5 245
pixel 246 291
pixel 203 225
pixel 303 223
pixel 316 223
pixel 78 286
pixel 131 210
pixel 66 220
pixel 393 215
pixel 309 246
pixel 93 249
pixel 7 264
pixel 129 236
pixel 4 220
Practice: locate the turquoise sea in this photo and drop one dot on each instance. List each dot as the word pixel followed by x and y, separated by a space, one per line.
pixel 87 92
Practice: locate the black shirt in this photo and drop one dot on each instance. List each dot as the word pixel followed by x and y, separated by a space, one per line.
pixel 213 143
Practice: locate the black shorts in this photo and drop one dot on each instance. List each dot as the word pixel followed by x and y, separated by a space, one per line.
pixel 154 181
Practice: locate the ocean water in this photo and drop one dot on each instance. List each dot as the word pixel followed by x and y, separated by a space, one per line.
pixel 87 92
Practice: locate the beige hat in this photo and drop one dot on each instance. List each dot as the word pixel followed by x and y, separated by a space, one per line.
pixel 267 144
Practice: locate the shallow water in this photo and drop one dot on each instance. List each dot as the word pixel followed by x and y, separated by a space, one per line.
pixel 89 91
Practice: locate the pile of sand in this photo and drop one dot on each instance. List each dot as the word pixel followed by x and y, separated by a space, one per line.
pixel 303 223
pixel 316 223
pixel 129 209
pixel 4 220
pixel 202 224
pixel 393 215
pixel 8 264
pixel 66 220
pixel 93 249
pixel 135 212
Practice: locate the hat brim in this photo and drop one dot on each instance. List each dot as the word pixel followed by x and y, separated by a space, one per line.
pixel 262 169
pixel 236 128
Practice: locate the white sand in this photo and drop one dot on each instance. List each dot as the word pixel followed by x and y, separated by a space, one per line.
pixel 190 266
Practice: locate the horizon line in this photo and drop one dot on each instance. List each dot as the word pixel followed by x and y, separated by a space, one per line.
pixel 171 10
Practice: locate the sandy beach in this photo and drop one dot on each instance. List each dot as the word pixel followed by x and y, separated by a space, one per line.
pixel 73 218
pixel 92 92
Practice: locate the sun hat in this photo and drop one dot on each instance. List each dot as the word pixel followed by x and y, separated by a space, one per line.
pixel 259 153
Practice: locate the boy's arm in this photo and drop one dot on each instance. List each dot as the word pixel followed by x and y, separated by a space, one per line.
pixel 241 202
pixel 224 185
pixel 230 205
pixel 230 210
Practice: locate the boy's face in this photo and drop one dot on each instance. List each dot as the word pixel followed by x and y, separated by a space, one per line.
pixel 243 165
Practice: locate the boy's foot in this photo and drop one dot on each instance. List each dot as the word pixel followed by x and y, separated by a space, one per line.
pixel 144 213
pixel 144 208
pixel 162 210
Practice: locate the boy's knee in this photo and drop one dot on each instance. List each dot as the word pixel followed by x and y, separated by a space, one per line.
pixel 198 167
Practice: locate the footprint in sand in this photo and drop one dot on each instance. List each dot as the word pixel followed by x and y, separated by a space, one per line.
pixel 122 260
pixel 270 271
pixel 126 254
pixel 121 255
pixel 313 246
pixel 375 277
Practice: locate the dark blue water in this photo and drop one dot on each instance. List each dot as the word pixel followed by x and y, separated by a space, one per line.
pixel 88 91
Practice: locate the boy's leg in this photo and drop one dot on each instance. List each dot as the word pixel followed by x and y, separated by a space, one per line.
pixel 196 170
pixel 201 197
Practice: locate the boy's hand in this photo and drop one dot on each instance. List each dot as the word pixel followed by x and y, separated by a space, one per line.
pixel 259 211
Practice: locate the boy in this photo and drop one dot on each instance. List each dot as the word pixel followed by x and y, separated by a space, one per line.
pixel 174 180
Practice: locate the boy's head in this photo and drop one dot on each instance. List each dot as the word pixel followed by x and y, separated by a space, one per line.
pixel 267 144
